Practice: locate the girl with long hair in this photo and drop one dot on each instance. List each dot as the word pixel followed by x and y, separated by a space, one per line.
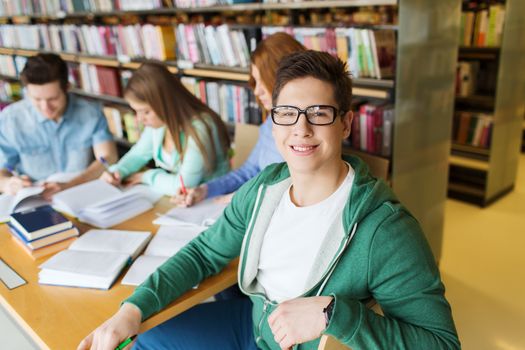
pixel 184 137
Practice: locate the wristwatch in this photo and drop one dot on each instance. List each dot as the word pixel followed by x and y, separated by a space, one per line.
pixel 328 311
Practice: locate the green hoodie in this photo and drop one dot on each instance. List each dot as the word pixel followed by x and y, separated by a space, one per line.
pixel 376 249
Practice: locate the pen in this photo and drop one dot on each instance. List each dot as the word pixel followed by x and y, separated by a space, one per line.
pixel 105 163
pixel 182 187
pixel 12 171
pixel 126 342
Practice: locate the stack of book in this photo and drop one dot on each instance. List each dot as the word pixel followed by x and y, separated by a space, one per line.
pixel 42 231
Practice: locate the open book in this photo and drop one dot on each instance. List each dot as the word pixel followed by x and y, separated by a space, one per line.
pixel 103 205
pixel 29 197
pixel 204 213
pixel 9 204
pixel 167 241
pixel 94 260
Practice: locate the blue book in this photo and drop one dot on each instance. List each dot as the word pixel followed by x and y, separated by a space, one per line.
pixel 43 241
pixel 39 222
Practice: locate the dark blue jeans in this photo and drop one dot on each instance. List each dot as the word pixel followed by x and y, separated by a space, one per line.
pixel 220 325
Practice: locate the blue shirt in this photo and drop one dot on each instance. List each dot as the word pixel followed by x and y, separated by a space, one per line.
pixel 263 154
pixel 39 147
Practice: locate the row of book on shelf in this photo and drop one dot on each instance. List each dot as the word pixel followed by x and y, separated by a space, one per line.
pixel 372 128
pixel 234 103
pixel 52 7
pixel 476 77
pixel 10 91
pixel 370 53
pixel 482 24
pixel 473 129
pixel 147 40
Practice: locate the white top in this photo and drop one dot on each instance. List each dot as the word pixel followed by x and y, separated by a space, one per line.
pixel 293 239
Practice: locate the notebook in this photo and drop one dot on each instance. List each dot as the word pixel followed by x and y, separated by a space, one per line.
pixel 94 260
pixel 103 205
pixel 166 242
pixel 204 213
pixel 39 222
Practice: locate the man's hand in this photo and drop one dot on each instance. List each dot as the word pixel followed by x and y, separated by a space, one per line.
pixel 298 320
pixel 193 196
pixel 124 324
pixel 15 184
pixel 51 188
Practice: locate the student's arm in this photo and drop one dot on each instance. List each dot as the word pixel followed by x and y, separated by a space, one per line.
pixel 10 184
pixel 204 256
pixel 405 282
pixel 124 324
pixel 234 179
pixel 107 149
pixel 137 157
pixel 192 169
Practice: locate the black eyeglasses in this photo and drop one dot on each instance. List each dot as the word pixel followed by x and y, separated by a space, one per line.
pixel 315 115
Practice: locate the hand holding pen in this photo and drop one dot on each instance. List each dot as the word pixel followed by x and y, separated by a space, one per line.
pixel 109 176
pixel 15 182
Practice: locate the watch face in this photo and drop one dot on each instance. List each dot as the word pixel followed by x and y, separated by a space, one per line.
pixel 328 310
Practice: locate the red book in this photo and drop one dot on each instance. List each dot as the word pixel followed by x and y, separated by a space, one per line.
pixel 108 80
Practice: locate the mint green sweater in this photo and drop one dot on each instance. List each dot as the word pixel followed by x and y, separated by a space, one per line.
pixel 165 178
pixel 376 249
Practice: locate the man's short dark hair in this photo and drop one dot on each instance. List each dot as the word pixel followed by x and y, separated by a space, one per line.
pixel 45 68
pixel 318 65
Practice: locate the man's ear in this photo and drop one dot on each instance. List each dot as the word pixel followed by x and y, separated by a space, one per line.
pixel 347 123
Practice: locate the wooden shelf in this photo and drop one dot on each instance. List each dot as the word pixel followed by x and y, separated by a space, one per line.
pixel 468 163
pixel 477 101
pixel 221 8
pixel 466 189
pixel 366 87
pixel 106 98
pixel 470 149
pixel 8 77
pixel 479 53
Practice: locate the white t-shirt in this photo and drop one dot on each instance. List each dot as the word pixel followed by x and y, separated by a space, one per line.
pixel 293 239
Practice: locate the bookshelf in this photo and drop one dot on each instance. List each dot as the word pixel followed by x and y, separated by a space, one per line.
pixel 420 93
pixel 483 173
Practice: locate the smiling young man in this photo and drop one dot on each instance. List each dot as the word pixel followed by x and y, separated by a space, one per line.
pixel 317 236
pixel 51 131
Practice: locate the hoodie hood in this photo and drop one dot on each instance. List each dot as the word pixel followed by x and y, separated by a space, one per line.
pixel 367 193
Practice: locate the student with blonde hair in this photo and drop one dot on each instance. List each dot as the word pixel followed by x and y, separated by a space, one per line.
pixel 265 60
pixel 185 138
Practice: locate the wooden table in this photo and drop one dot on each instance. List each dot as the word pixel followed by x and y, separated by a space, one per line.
pixel 60 317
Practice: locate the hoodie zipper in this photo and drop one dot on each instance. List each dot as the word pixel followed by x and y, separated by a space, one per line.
pixel 263 317
pixel 332 267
